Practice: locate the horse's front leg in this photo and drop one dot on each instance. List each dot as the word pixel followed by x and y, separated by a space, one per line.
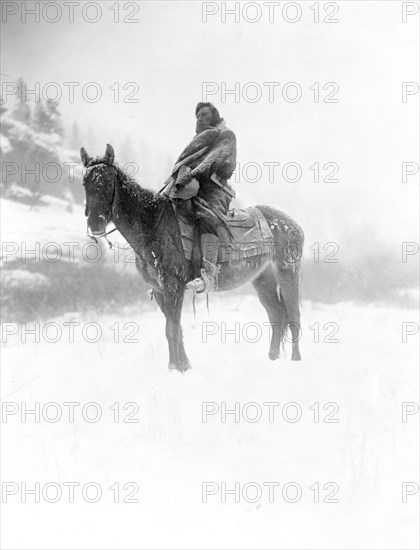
pixel 171 305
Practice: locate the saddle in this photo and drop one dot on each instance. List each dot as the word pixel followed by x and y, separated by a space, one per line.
pixel 246 234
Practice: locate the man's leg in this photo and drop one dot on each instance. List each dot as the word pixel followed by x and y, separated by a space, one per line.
pixel 217 202
pixel 208 280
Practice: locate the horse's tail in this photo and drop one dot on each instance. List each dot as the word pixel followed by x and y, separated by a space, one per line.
pixel 284 318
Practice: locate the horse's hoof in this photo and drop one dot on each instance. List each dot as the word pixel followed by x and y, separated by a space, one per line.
pixel 273 355
pixel 182 366
pixel 296 356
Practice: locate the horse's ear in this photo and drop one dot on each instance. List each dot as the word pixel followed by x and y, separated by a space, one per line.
pixel 109 154
pixel 84 156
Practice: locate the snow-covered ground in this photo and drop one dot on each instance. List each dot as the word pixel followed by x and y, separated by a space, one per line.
pixel 355 369
pixel 170 452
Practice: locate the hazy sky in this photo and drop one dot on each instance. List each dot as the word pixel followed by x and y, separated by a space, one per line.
pixel 171 52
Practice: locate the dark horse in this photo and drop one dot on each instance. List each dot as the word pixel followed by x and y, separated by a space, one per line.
pixel 148 223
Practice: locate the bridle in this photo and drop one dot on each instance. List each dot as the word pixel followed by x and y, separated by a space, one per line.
pixel 107 216
pixel 111 212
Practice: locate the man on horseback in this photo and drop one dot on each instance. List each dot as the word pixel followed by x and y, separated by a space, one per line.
pixel 113 196
pixel 199 180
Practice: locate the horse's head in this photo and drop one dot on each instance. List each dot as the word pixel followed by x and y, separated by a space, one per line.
pixel 99 182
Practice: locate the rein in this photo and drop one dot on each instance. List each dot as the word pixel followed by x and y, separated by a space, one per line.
pixel 110 244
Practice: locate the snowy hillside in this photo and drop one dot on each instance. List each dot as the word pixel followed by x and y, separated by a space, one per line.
pixel 47 222
pixel 50 266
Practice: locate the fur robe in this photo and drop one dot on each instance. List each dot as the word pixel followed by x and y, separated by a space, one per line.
pixel 212 151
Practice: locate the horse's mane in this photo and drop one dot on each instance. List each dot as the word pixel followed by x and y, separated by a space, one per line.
pixel 142 194
pixel 146 197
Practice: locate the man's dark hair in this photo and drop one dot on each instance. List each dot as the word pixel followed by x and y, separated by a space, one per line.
pixel 216 118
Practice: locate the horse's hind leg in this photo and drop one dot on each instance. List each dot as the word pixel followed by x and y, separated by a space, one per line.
pixel 289 282
pixel 266 287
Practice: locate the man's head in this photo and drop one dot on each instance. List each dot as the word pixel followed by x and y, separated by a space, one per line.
pixel 207 116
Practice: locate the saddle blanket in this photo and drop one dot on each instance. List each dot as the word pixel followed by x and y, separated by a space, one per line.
pixel 248 235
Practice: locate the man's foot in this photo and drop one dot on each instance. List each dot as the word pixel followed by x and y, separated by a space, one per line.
pixel 208 280
pixel 197 285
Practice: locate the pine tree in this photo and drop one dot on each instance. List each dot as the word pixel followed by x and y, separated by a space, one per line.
pixel 15 130
pixel 21 110
pixel 40 119
pixel 53 118
pixel 47 118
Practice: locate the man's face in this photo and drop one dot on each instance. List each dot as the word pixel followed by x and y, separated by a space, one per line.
pixel 204 117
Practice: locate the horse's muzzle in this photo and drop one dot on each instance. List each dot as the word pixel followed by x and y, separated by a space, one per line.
pixel 98 227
